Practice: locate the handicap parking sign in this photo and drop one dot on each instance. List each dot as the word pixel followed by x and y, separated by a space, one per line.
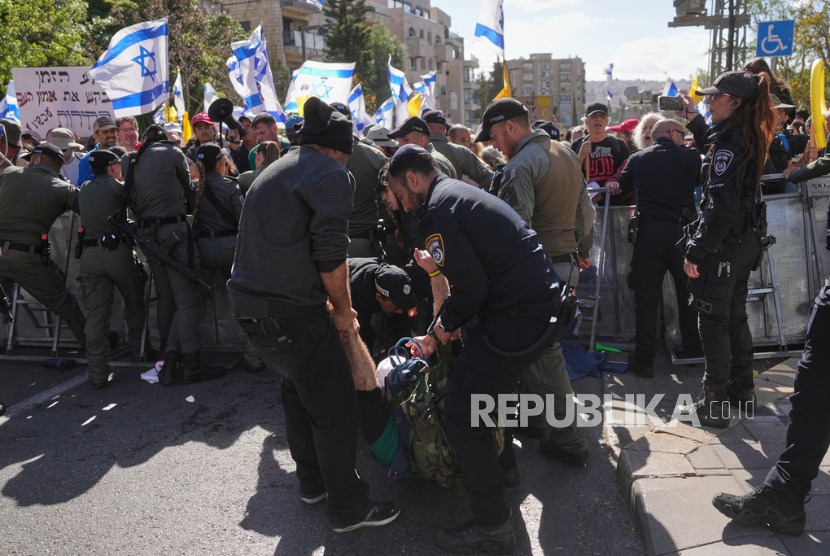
pixel 775 38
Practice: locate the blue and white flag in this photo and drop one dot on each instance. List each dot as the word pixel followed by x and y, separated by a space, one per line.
pixel 328 82
pixel 133 71
pixel 8 106
pixel 178 98
pixel 315 3
pixel 160 117
pixel 428 92
pixel 383 117
pixel 357 105
pixel 209 97
pixel 703 109
pixel 401 92
pixel 490 26
pixel 669 88
pixel 254 76
pixel 608 79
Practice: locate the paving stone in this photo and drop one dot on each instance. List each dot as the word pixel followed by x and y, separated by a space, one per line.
pixel 748 455
pixel 753 545
pixel 678 428
pixel 783 373
pixel 751 477
pixel 734 435
pixel 767 431
pixel 818 510
pixel 634 465
pixel 807 544
pixel 784 407
pixel 705 458
pixel 653 442
pixel 621 436
pixel 821 484
pixel 676 514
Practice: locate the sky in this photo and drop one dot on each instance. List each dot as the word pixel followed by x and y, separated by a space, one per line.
pixel 632 34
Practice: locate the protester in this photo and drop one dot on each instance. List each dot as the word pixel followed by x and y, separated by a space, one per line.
pixel 106 136
pixel 64 139
pixel 624 131
pixel 10 145
pixel 493 158
pixel 460 135
pixel 266 153
pixel 641 136
pixel 605 154
pixel 127 132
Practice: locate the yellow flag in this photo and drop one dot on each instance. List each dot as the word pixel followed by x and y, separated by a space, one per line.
pixel 170 113
pixel 414 104
pixel 186 131
pixel 504 93
pixel 694 87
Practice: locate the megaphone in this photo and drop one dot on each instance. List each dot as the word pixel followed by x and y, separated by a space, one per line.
pixel 221 110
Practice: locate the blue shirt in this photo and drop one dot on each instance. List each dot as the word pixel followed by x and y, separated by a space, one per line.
pixel 84 169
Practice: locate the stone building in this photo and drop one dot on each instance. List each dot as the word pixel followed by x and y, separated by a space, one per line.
pixel 561 79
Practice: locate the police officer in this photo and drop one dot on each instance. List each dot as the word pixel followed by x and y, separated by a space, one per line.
pixel 665 176
pixel 376 287
pixel 288 263
pixel 415 131
pixel 543 183
pixel 157 183
pixel 107 260
pixel 31 199
pixel 464 161
pixel 365 164
pixel 504 289
pixel 724 244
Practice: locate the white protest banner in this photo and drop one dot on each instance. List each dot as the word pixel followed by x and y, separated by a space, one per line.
pixel 59 97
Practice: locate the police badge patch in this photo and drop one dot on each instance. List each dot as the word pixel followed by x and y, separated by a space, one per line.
pixel 722 160
pixel 508 196
pixel 435 247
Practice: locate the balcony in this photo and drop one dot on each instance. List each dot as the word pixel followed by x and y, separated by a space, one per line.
pixel 418 48
pixel 443 52
pixel 301 6
pixel 314 45
pixel 471 85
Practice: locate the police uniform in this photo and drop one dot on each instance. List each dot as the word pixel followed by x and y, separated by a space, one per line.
pixel 31 199
pixel 665 176
pixel 107 260
pixel 725 244
pixel 504 291
pixel 414 123
pixel 463 160
pixel 364 163
pixel 160 182
pixel 543 183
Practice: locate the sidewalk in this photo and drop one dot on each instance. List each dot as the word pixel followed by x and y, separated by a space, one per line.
pixel 669 473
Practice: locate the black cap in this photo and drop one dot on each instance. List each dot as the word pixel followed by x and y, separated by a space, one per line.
pixel 102 158
pixel 325 126
pixel 499 110
pixel 394 283
pixel 13 132
pixel 342 108
pixel 155 133
pixel 736 83
pixel 407 150
pixel 209 152
pixel 118 150
pixel 104 122
pixel 777 103
pixel 549 127
pixel 412 123
pixel 596 107
pixel 434 117
pixel 49 149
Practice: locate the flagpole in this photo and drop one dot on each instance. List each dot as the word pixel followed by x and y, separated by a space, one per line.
pixel 314 40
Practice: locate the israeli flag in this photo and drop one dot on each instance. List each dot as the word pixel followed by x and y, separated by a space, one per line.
pixel 134 69
pixel 490 26
pixel 159 117
pixel 328 82
pixel 669 88
pixel 428 91
pixel 209 96
pixel 255 77
pixel 8 105
pixel 401 91
pixel 357 104
pixel 383 117
pixel 703 109
pixel 609 78
pixel 178 98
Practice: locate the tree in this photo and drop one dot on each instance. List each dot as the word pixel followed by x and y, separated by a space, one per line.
pixel 347 37
pixel 381 44
pixel 498 81
pixel 42 33
pixel 484 95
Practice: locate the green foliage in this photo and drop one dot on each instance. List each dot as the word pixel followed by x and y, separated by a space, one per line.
pixel 347 38
pixel 42 33
pixel 381 44
pixel 486 83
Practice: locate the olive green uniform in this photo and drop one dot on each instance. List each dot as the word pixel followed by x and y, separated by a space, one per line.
pixel 443 162
pixel 31 199
pixel 463 160
pixel 365 163
pixel 103 268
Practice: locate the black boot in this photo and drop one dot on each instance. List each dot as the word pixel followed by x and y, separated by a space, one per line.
pixel 470 538
pixel 741 391
pixel 196 371
pixel 710 407
pixel 782 511
pixel 167 374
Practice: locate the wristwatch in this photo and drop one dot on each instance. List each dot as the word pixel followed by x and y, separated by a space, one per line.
pixel 443 328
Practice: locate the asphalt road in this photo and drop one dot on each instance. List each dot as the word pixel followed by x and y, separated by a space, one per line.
pixel 205 469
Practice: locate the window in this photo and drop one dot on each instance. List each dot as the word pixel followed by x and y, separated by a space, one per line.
pixel 430 63
pixel 527 89
pixel 455 54
pixel 437 38
pixel 438 66
pixel 423 63
pixel 246 25
pixel 469 96
pixel 527 68
pixel 565 99
pixel 411 32
pixel 443 89
pixel 429 36
pixel 412 63
pixel 421 33
pixel 565 77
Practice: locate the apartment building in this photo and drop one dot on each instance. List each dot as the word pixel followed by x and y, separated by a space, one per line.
pixel 561 79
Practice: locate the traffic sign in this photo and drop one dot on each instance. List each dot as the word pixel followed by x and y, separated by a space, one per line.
pixel 775 38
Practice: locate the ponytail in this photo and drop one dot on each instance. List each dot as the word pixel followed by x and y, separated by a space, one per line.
pixel 200 188
pixel 756 120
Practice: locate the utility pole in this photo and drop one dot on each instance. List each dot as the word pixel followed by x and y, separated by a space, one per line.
pixel 731 38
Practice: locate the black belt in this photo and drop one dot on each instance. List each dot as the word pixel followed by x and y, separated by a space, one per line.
pixel 31 249
pixel 557 259
pixel 97 242
pixel 215 235
pixel 146 222
pixel 361 235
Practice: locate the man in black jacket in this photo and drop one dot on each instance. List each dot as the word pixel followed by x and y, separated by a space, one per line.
pixel 665 176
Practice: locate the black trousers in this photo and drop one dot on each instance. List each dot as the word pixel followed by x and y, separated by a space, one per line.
pixel 321 410
pixel 719 295
pixel 480 371
pixel 655 253
pixel 808 432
